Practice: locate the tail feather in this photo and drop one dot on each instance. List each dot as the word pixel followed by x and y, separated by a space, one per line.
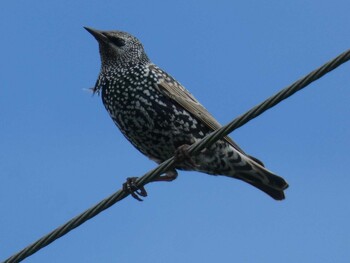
pixel 223 159
pixel 270 189
pixel 264 180
pixel 275 194
pixel 252 171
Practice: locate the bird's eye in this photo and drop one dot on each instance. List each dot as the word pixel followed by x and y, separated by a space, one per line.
pixel 119 42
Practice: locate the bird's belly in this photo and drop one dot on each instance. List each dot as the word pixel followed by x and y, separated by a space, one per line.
pixel 159 130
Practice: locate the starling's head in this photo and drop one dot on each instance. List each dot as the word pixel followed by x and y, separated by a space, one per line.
pixel 119 49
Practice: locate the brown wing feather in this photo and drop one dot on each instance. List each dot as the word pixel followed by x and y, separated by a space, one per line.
pixel 181 96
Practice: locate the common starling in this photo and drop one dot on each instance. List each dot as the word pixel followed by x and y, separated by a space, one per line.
pixel 161 118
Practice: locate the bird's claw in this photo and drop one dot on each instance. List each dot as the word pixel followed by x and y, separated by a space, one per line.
pixel 130 187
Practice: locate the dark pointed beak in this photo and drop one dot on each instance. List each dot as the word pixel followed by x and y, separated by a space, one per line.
pixel 97 34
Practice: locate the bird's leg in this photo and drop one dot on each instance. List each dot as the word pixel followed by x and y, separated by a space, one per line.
pixel 130 187
pixel 168 177
pixel 181 155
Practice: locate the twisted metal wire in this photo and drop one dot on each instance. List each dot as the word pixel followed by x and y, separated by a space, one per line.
pixel 193 149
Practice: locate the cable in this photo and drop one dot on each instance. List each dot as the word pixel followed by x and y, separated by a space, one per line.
pixel 193 149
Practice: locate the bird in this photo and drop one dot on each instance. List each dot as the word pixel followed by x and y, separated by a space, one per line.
pixel 161 118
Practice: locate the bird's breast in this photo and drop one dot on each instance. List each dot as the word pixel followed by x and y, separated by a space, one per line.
pixel 151 121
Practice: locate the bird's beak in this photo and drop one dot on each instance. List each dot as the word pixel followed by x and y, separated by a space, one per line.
pixel 97 34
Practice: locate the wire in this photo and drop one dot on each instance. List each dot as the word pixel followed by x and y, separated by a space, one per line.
pixel 193 149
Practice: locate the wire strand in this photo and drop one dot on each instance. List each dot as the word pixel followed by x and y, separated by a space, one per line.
pixel 168 164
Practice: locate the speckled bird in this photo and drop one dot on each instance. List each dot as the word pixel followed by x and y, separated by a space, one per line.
pixel 160 117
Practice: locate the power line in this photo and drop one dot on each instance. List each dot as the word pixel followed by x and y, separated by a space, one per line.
pixel 193 149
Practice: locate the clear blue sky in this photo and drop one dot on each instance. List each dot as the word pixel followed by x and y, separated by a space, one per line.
pixel 60 153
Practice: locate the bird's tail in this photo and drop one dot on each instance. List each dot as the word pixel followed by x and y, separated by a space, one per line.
pixel 224 159
pixel 257 175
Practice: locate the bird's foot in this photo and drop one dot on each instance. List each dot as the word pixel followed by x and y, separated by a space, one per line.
pixel 182 155
pixel 130 187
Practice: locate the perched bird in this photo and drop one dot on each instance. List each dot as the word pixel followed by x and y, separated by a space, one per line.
pixel 161 118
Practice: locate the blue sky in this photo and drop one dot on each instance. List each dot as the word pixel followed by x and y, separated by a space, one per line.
pixel 60 152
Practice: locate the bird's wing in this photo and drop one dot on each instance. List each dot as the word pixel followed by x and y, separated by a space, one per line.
pixel 175 91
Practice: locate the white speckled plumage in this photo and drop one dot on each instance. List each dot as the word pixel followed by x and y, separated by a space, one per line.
pixel 158 115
